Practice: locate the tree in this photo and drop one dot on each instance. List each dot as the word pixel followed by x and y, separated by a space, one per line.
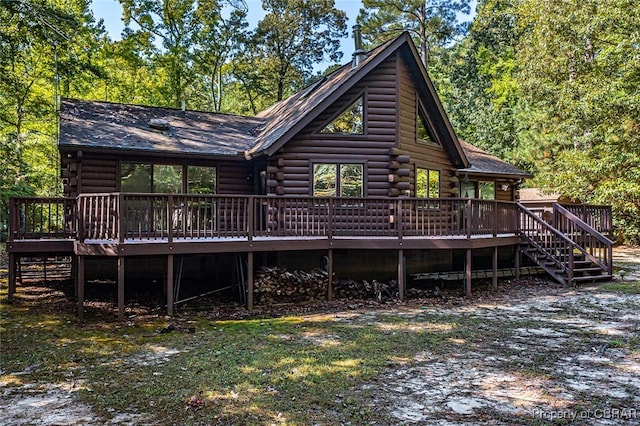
pixel 580 71
pixel 223 32
pixel 176 24
pixel 44 46
pixel 477 80
pixel 431 22
pixel 293 35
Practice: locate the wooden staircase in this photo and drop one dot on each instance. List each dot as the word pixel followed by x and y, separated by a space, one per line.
pixel 568 249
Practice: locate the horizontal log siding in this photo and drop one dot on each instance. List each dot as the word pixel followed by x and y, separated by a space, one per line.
pixel 98 173
pixel 234 177
pixel 507 195
pixel 309 146
pixel 423 155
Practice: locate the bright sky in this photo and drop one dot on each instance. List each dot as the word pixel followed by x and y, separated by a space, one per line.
pixel 111 12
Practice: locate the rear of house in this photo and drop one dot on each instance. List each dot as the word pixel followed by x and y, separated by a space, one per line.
pixel 360 172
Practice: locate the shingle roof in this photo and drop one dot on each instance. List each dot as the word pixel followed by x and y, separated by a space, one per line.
pixel 484 163
pixel 104 125
pixel 288 114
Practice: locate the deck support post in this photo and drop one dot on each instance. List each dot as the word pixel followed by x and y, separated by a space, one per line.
pixel 467 275
pixel 80 285
pixel 12 276
pixel 170 285
pixel 516 261
pixel 494 281
pixel 402 276
pixel 330 275
pixel 250 280
pixel 121 288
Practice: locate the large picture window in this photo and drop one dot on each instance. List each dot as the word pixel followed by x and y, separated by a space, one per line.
pixel 201 180
pixel 166 179
pixel 427 183
pixel 350 121
pixel 338 179
pixel 150 178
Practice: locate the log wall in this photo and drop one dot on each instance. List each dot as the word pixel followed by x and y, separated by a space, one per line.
pixel 295 160
pixel 97 172
pixel 388 150
pixel 425 155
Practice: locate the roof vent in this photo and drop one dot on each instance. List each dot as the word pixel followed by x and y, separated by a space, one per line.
pixel 159 124
pixel 359 55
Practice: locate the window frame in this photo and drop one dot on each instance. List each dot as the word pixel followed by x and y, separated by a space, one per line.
pixel 337 170
pixel 422 116
pixel 365 128
pixel 429 171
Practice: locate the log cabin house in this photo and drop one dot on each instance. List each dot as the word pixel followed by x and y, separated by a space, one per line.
pixel 361 170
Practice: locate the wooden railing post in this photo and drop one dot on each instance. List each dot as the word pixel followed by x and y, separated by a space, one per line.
pixel 330 218
pixel 170 219
pixel 496 218
pixel 81 217
pixel 250 212
pixel 13 219
pixel 399 222
pixel 469 217
pixel 120 218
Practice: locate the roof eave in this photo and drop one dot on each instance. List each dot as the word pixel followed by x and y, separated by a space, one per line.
pixel 353 79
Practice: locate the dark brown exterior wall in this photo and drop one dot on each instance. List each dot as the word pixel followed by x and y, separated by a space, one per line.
pixel 423 155
pixel 99 172
pixel 390 110
pixel 297 156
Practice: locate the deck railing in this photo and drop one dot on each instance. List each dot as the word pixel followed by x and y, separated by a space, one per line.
pixel 599 218
pixel 36 218
pixel 123 217
pixel 595 246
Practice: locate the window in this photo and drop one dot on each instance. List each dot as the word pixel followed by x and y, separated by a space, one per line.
pixel 331 179
pixel 150 178
pixel 201 180
pixel 135 177
pixel 350 121
pixel 487 190
pixel 423 130
pixel 483 190
pixel 167 179
pixel 427 183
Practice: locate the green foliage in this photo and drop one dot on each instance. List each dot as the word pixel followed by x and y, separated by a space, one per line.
pixel 552 87
pixel 432 23
pixel 290 39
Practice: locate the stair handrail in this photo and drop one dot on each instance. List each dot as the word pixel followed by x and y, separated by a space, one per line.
pixel 556 233
pixel 582 225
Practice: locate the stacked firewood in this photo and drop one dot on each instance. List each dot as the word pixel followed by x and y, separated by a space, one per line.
pixel 350 289
pixel 277 285
pixel 418 293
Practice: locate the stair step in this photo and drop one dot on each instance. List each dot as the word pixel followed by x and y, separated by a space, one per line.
pixel 592 278
pixel 595 269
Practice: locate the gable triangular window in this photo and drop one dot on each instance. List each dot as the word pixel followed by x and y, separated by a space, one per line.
pixel 423 130
pixel 348 122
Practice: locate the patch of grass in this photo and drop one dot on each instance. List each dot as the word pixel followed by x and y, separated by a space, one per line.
pixel 244 372
pixel 627 287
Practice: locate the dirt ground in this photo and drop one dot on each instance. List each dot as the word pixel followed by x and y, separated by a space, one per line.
pixel 546 348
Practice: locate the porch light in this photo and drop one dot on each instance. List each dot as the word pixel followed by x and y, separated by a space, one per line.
pixel 505 187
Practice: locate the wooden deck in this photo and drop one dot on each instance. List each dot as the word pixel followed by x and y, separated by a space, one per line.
pixel 118 224
pixel 123 224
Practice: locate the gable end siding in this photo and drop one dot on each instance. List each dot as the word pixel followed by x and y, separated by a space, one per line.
pixel 294 160
pixel 423 155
